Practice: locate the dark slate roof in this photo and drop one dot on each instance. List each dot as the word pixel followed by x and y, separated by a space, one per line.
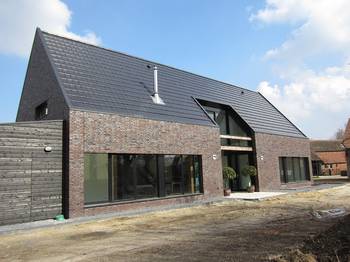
pixel 326 145
pixel 98 79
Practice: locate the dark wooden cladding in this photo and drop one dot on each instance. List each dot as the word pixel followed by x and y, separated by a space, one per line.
pixel 30 178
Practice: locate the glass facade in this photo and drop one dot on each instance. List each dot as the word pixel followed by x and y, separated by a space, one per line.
pixel 117 177
pixel 134 177
pixel 294 169
pixel 96 178
pixel 228 123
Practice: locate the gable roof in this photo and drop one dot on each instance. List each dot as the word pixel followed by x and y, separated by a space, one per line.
pixel 346 140
pixel 97 79
pixel 326 145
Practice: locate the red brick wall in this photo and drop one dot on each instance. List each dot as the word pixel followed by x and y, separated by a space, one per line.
pixel 110 133
pixel 271 147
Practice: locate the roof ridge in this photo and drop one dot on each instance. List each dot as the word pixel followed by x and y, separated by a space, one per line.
pixel 146 60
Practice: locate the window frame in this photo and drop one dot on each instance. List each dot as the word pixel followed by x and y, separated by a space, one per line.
pixel 160 175
pixel 283 170
pixel 41 111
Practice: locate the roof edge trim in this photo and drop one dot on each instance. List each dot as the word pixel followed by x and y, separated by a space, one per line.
pixel 225 104
pixel 205 112
pixel 41 37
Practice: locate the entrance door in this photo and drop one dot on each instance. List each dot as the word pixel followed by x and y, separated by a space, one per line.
pixel 236 160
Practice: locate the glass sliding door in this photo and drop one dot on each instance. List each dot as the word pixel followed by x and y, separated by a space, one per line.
pixel 289 169
pixel 173 174
pixel 294 169
pixel 146 176
pixel 188 174
pixel 123 178
pixel 134 176
pixel 191 174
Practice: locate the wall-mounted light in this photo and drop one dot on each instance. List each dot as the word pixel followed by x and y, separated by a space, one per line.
pixel 48 149
pixel 215 157
pixel 262 158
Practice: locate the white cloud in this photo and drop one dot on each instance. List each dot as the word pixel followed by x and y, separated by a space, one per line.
pixel 324 26
pixel 18 20
pixel 312 92
pixel 326 91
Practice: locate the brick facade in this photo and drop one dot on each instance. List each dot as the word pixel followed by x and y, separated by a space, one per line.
pixel 110 133
pixel 268 149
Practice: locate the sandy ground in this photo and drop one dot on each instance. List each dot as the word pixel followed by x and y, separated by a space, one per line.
pixel 228 231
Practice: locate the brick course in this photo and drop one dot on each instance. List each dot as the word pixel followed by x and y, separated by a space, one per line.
pixel 271 147
pixel 110 133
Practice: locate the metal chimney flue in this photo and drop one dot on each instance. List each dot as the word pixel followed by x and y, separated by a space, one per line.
pixel 155 97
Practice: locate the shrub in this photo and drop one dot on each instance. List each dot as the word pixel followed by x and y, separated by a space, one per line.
pixel 249 171
pixel 228 173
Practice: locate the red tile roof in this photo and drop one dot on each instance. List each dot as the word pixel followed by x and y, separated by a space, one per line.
pixel 326 145
pixel 332 157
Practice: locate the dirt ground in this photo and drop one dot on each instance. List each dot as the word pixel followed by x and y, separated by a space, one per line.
pixel 227 231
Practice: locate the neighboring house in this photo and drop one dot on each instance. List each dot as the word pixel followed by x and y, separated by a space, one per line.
pixel 138 134
pixel 346 144
pixel 328 157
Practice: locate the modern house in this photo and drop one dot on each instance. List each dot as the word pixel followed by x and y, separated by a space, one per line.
pixel 328 157
pixel 346 144
pixel 140 134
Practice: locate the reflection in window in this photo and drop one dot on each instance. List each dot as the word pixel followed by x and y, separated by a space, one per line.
pixel 227 121
pixel 96 178
pixel 293 169
pixel 192 179
pixel 132 177
pixel 172 174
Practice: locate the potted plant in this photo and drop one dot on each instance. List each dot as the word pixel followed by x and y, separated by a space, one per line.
pixel 247 173
pixel 228 174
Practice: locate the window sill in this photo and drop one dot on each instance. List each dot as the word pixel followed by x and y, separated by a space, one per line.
pixel 139 200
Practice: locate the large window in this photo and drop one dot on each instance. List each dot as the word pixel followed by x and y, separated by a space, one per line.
pixel 117 177
pixel 134 177
pixel 294 169
pixel 229 123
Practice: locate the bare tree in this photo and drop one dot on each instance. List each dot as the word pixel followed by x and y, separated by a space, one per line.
pixel 339 134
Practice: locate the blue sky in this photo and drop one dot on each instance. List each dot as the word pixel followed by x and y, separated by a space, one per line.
pixel 226 40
